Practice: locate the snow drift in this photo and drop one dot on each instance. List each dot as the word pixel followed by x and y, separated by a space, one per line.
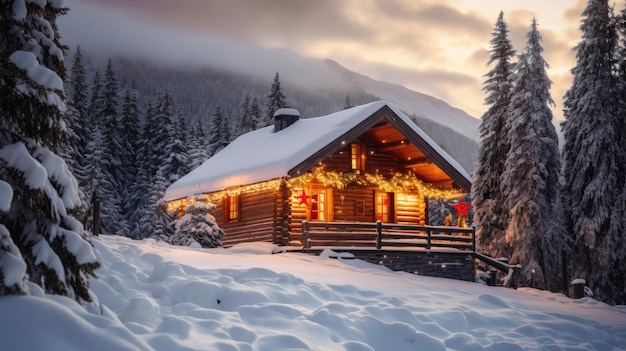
pixel 153 296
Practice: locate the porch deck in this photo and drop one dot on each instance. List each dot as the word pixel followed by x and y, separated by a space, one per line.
pixel 377 242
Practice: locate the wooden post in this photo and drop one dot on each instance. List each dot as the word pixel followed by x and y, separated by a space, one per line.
pixel 305 234
pixel 579 288
pixel 379 235
pixel 428 240
pixel 282 232
pixel 96 214
pixel 474 238
pixel 564 271
pixel 493 276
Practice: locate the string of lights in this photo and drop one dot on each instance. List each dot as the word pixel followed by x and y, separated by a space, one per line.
pixel 399 182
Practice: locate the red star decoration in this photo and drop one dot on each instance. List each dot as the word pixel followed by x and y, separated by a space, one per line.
pixel 461 208
pixel 304 198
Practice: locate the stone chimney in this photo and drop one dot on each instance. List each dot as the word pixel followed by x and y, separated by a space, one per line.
pixel 285 117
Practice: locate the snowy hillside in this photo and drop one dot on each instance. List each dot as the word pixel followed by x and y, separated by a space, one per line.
pixel 421 105
pixel 153 296
pixel 198 91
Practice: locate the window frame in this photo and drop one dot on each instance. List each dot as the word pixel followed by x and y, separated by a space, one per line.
pixel 232 208
pixel 380 209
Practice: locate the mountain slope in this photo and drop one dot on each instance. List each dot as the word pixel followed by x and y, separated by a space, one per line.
pixel 198 90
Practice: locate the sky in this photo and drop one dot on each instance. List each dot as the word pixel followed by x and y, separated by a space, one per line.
pixel 437 47
pixel 153 296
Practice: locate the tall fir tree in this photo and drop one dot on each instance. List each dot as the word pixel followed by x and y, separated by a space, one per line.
pixel 619 212
pixel 78 94
pixel 219 133
pixel 95 100
pixel 176 164
pixel 347 103
pixel 95 160
pixel 78 101
pixel 247 122
pixel 161 129
pixel 197 145
pixel 113 221
pixel 275 100
pixel 488 199
pixel 159 217
pixel 143 216
pixel 592 159
pixel 39 240
pixel 532 169
pixel 255 113
pixel 620 130
pixel 129 158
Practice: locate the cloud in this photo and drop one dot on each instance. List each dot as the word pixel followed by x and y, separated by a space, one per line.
pixel 438 47
pixel 109 32
pixel 251 20
pixel 437 16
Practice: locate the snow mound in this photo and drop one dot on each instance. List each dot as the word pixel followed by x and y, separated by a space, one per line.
pixel 159 297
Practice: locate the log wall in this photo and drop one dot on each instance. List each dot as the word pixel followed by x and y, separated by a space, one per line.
pixel 274 216
pixel 256 219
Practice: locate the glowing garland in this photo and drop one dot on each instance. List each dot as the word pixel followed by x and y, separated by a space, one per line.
pixel 398 183
pixel 222 194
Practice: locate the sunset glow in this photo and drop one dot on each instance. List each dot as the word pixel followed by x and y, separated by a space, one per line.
pixel 438 48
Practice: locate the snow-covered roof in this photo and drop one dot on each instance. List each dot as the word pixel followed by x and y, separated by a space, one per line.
pixel 263 154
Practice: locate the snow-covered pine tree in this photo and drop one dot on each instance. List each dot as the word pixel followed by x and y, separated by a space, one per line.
pixel 197 145
pixel 143 216
pixel 276 100
pixel 157 208
pixel 12 265
pixel 225 131
pixel 78 88
pixel 530 179
pixel 219 133
pixel 246 120
pixel 129 158
pixel 78 101
pixel 95 100
pixel 96 178
pixel 53 245
pixel 347 103
pixel 591 158
pixel 620 125
pixel 489 202
pixel 197 226
pixel 176 163
pixel 113 221
pixel 161 129
pixel 255 113
pixel 619 212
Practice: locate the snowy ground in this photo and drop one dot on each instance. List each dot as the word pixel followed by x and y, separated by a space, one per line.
pixel 155 296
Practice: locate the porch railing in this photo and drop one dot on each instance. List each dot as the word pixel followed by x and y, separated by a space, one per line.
pixel 391 235
pixel 385 235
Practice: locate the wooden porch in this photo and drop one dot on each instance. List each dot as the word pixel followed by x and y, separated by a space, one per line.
pixel 398 246
pixel 387 235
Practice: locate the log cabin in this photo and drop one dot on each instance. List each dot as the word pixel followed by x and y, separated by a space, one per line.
pixel 363 164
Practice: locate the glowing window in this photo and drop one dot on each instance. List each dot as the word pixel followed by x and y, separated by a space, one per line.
pixel 382 207
pixel 231 208
pixel 355 156
pixel 318 206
